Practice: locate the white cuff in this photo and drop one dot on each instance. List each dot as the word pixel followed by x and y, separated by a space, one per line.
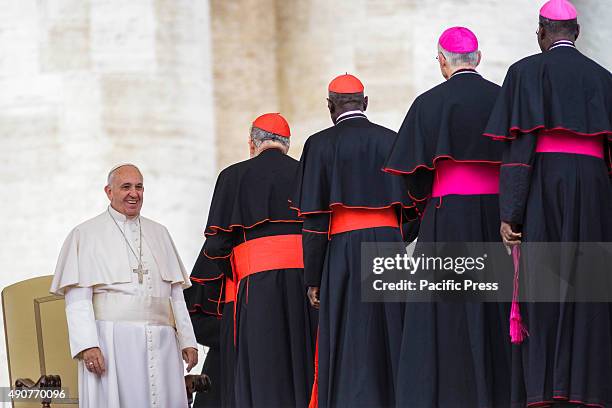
pixel 184 328
pixel 82 328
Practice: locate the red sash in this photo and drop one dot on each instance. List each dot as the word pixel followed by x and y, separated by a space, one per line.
pixel 567 142
pixel 465 178
pixel 230 290
pixel 345 219
pixel 267 253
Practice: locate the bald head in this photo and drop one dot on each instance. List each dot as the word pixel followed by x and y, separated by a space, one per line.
pixel 125 189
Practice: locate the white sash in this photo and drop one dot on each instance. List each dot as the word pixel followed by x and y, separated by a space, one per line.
pixel 148 309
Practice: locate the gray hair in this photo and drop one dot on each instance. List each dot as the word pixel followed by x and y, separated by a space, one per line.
pixel 259 136
pixel 456 59
pixel 111 173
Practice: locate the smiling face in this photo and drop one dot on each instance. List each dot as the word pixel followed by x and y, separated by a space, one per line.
pixel 125 191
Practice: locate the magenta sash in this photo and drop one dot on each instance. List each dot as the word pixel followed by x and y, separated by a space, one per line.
pixel 465 178
pixel 567 142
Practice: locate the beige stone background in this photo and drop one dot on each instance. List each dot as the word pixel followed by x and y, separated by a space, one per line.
pixel 173 85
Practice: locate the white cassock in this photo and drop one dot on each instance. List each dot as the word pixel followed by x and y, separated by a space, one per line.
pixel 140 328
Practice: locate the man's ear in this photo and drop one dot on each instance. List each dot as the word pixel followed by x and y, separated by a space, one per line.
pixel 479 58
pixel 577 32
pixel 365 103
pixel 107 190
pixel 441 59
pixel 542 33
pixel 251 145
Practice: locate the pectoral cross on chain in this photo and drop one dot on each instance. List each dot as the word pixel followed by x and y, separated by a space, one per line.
pixel 140 271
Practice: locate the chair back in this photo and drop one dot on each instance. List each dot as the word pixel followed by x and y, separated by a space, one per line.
pixel 36 335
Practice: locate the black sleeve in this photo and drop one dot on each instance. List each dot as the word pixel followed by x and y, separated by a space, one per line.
pixel 419 187
pixel 314 243
pixel 204 267
pixel 419 184
pixel 515 177
pixel 219 248
pixel 203 300
pixel 206 328
pixel 410 224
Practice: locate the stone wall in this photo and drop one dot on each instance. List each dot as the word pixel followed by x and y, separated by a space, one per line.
pixel 280 55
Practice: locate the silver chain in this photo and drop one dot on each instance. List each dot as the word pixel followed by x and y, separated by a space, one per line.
pixel 139 256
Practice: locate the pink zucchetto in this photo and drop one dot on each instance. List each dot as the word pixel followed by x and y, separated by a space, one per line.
pixel 459 40
pixel 558 10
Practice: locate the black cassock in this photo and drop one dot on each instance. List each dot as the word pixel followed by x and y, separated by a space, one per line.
pixel 205 304
pixel 454 354
pixel 275 327
pixel 558 197
pixel 358 342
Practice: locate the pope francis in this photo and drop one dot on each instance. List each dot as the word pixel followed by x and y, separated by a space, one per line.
pixel 128 323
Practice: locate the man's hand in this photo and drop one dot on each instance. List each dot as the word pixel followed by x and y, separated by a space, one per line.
pixel 313 296
pixel 190 356
pixel 94 360
pixel 509 236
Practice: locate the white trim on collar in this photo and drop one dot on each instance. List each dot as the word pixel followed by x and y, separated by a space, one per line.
pixel 349 113
pixel 464 72
pixel 345 116
pixel 562 43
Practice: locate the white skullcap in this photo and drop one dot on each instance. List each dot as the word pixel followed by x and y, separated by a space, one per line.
pixel 110 173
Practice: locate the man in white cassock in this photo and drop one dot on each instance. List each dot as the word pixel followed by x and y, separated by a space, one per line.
pixel 128 324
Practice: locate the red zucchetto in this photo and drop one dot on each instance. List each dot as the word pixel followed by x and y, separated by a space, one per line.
pixel 273 123
pixel 345 84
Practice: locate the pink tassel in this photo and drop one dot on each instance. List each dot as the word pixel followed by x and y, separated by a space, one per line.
pixel 518 331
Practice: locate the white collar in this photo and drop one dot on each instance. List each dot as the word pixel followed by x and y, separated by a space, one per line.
pixel 345 115
pixel 562 43
pixel 120 217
